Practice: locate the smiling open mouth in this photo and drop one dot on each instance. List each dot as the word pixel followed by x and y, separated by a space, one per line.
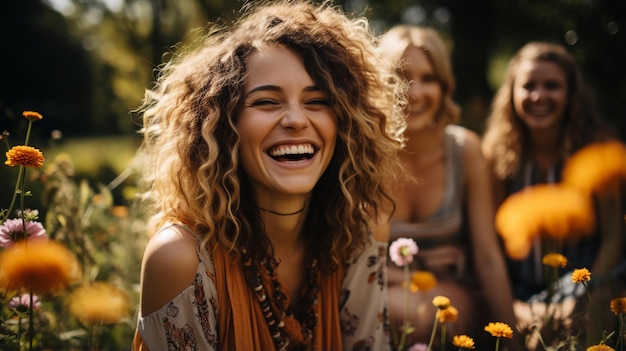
pixel 292 152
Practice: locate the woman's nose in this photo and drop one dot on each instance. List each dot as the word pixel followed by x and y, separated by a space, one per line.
pixel 537 94
pixel 295 118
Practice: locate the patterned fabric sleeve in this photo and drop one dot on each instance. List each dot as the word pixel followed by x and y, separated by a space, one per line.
pixel 187 322
pixel 363 301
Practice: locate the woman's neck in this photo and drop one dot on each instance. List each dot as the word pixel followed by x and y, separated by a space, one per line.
pixel 546 147
pixel 284 228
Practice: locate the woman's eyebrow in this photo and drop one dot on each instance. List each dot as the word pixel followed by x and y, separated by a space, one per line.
pixel 263 88
pixel 276 88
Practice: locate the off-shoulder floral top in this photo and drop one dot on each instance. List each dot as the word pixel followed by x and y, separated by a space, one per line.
pixel 189 320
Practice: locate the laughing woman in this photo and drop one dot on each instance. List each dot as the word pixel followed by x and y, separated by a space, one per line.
pixel 272 146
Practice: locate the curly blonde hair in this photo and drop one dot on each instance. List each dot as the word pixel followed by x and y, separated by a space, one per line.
pixel 506 138
pixel 395 42
pixel 191 137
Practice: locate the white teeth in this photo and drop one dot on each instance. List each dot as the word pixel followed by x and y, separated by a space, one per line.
pixel 292 150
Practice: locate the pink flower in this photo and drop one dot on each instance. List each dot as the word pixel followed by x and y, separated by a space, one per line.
pixel 15 229
pixel 22 303
pixel 402 250
pixel 418 347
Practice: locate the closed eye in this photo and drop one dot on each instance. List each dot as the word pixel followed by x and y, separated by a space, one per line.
pixel 553 85
pixel 324 102
pixel 262 102
pixel 429 78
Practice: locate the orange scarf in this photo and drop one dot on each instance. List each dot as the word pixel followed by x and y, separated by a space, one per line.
pixel 241 322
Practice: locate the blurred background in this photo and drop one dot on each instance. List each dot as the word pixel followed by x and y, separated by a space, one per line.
pixel 84 64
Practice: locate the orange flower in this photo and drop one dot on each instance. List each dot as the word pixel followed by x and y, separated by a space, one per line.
pixel 448 314
pixel 597 168
pixel 499 330
pixel 618 305
pixel 581 275
pixel 600 347
pixel 120 211
pixel 463 342
pixel 24 156
pixel 99 303
pixel 552 210
pixel 555 260
pixel 422 281
pixel 441 302
pixel 44 266
pixel 32 115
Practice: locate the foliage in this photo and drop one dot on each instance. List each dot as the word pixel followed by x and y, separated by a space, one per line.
pixel 95 311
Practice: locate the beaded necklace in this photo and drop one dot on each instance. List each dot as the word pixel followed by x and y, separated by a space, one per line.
pixel 277 311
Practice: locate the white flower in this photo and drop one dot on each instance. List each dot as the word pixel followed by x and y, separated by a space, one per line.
pixel 402 250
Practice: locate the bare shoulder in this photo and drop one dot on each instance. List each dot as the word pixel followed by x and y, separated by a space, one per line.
pixel 474 163
pixel 169 265
pixel 471 147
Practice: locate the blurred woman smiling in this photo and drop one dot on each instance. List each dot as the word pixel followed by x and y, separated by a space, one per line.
pixel 447 207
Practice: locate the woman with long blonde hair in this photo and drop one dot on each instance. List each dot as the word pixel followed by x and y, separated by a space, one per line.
pixel 446 205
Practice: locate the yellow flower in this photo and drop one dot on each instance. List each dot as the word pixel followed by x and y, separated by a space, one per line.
pixel 448 314
pixel 618 305
pixel 597 168
pixel 550 210
pixel 555 260
pixel 99 303
pixel 600 348
pixel 441 302
pixel 44 266
pixel 32 115
pixel 463 342
pixel 422 281
pixel 499 330
pixel 581 275
pixel 25 156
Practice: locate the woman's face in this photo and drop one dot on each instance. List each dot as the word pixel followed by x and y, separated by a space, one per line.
pixel 425 91
pixel 540 94
pixel 287 127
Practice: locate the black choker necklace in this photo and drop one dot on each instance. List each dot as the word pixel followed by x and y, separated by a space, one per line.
pixel 281 214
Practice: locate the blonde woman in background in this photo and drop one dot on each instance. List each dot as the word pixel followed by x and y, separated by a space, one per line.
pixel 446 206
pixel 541 115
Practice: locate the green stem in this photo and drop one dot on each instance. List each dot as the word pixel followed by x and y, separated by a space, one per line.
pixel 30 126
pixel 19 331
pixel 432 334
pixel 443 336
pixel 94 331
pixel 622 333
pixel 543 343
pixel 22 207
pixel 497 343
pixel 587 291
pixel 405 317
pixel 20 175
pixel 31 328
